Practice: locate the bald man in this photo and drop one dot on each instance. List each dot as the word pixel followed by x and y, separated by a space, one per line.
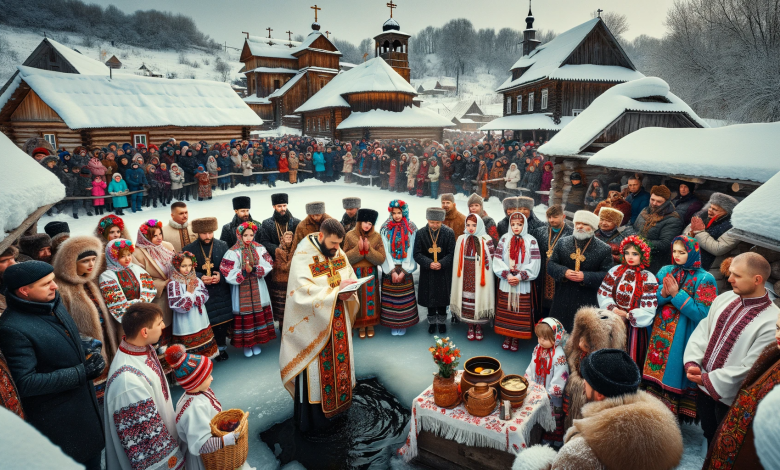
pixel 724 346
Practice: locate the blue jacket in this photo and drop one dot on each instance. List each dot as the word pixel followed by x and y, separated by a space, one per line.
pixel 120 187
pixel 136 179
pixel 319 161
pixel 329 163
pixel 224 164
pixel 269 161
pixel 638 202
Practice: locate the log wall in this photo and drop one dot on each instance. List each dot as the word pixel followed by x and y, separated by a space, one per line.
pixel 598 48
pixel 265 82
pixel 389 101
pixel 422 133
pixel 318 59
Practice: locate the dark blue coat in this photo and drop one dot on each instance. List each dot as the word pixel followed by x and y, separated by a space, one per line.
pixel 269 161
pixel 135 179
pixel 638 202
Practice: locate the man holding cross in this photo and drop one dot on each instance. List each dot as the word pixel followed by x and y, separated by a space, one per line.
pixel 434 250
pixel 578 264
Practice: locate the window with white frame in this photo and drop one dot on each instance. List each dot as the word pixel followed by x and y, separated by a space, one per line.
pixel 327 124
pixel 139 139
pixel 531 102
pixel 51 139
pixel 519 104
pixel 508 105
pixel 576 112
pixel 544 98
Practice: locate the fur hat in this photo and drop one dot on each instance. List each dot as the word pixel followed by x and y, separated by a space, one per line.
pixel 190 370
pixel 242 202
pixel 661 191
pixel 587 217
pixel 32 244
pixel 611 215
pixel 367 215
pixel 613 187
pixel 476 199
pixel 435 214
pixel 448 197
pixel 315 208
pixel 510 203
pixel 279 198
pixel 526 202
pixel 351 203
pixel 611 372
pixel 204 225
pixel 24 274
pixel 575 176
pixel 724 201
pixel 56 227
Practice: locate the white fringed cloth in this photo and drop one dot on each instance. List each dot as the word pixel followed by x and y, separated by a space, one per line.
pixel 459 426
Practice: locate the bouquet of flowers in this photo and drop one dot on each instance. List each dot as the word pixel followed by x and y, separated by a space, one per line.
pixel 445 355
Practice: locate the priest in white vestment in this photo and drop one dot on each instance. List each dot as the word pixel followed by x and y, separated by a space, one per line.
pixel 316 359
pixel 724 346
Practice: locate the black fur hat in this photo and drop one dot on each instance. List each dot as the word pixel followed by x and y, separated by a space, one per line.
pixel 279 198
pixel 32 244
pixel 56 227
pixel 367 215
pixel 242 202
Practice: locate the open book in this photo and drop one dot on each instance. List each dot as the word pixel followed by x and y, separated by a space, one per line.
pixel 354 287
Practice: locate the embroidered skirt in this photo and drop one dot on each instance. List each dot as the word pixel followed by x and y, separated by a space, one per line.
pixel 368 315
pixel 682 405
pixel 399 304
pixel 201 343
pixel 253 328
pixel 637 342
pixel 515 324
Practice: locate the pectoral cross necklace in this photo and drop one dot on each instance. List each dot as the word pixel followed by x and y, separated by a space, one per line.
pixel 551 243
pixel 207 264
pixel 435 249
pixel 579 256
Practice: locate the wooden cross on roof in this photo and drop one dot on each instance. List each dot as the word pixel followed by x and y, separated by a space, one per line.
pixel 289 35
pixel 391 5
pixel 269 32
pixel 316 9
pixel 599 11
pixel 327 34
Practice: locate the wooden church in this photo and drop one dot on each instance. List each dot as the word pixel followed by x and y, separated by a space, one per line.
pixel 282 74
pixel 552 83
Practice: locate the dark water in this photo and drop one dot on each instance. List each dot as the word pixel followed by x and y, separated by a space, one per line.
pixel 367 437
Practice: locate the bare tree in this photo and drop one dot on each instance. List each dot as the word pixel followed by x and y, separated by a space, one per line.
pixel 366 50
pixel 616 22
pixel 222 68
pixel 456 47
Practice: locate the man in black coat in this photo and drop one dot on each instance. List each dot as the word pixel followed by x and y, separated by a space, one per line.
pixel 220 304
pixel 548 236
pixel 51 368
pixel 578 265
pixel 275 226
pixel 241 206
pixel 433 291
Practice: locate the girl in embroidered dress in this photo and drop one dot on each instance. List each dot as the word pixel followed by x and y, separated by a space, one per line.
pixel 548 367
pixel 399 303
pixel 187 296
pixel 684 295
pixel 516 263
pixel 245 266
pixel 628 290
pixel 123 283
pixel 472 297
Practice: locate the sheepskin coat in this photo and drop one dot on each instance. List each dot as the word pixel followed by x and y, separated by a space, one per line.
pixel 305 227
pixel 143 259
pixel 601 329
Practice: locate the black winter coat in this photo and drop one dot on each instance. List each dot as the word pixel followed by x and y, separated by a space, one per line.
pixel 42 347
pixel 434 286
pixel 220 304
pixel 269 238
pixel 229 231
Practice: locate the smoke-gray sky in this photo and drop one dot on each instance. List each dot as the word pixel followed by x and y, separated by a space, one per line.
pixel 354 20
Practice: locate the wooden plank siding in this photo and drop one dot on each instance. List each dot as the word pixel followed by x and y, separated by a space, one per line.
pixel 598 48
pixel 265 82
pixel 318 59
pixel 46 57
pixel 422 133
pixel 389 101
pixel 33 108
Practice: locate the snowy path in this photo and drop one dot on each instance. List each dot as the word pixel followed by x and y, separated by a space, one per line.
pixel 402 364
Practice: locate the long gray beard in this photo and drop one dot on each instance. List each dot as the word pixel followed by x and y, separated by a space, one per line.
pixel 581 236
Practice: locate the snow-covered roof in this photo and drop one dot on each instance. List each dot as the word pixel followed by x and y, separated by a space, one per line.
pixel 608 107
pixel 280 48
pixel 254 99
pixel 429 84
pixel 371 76
pixel 409 117
pixel 754 218
pixel 21 197
pixel 281 91
pixel 534 121
pixel 446 81
pixel 272 70
pixel 703 153
pixel 459 110
pixel 93 101
pixel 545 61
pixel 82 63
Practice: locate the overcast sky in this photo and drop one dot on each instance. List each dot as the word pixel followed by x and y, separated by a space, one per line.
pixel 353 20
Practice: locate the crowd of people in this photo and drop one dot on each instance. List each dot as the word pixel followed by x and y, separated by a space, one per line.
pixel 637 306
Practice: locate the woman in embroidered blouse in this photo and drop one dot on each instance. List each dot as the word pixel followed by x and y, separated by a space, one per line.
pixel 628 290
pixel 187 296
pixel 245 267
pixel 399 303
pixel 684 296
pixel 124 283
pixel 155 255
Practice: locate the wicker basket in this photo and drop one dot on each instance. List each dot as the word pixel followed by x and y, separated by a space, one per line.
pixel 229 457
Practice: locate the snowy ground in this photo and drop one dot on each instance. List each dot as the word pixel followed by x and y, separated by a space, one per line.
pixel 402 364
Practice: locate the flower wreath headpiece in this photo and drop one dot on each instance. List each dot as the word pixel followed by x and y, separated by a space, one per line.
pixel 177 260
pixel 149 224
pixel 399 204
pixel 641 245
pixel 118 245
pixel 109 221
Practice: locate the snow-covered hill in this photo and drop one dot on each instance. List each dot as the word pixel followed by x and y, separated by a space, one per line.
pixel 194 62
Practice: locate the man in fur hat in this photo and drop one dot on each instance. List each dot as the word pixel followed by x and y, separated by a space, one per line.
pixel 511 205
pixel 177 231
pixel 434 251
pixel 616 201
pixel 609 222
pixel 454 219
pixel 477 206
pixel 315 215
pixel 208 253
pixel 548 236
pixel 59 233
pixel 35 247
pixel 525 205
pixel 351 206
pixel 241 206
pixel 658 224
pixel 609 435
pixel 578 265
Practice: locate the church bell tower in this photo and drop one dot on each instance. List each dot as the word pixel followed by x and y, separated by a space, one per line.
pixel 393 46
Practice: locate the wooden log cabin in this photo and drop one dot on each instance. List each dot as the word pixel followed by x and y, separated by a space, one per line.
pixel 69 109
pixel 619 111
pixel 552 83
pixel 282 74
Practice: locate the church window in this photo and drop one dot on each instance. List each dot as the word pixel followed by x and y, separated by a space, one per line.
pixel 531 102
pixel 544 98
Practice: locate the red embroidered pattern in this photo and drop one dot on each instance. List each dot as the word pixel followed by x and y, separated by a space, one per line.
pixel 741 312
pixel 335 369
pixel 153 363
pixel 143 434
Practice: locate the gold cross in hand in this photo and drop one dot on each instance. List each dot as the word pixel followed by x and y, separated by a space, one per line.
pixel 578 257
pixel 207 266
pixel 435 249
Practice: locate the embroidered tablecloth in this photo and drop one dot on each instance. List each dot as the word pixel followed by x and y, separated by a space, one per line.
pixel 458 425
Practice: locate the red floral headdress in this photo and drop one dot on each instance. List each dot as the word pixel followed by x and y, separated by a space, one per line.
pixel 181 256
pixel 144 228
pixel 109 221
pixel 641 246
pixel 246 225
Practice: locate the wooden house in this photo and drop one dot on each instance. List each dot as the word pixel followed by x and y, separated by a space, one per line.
pixel 447 84
pixel 619 111
pixel 114 63
pixel 51 55
pixel 429 88
pixel 467 116
pixel 147 71
pixel 69 109
pixel 282 74
pixel 371 100
pixel 552 83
